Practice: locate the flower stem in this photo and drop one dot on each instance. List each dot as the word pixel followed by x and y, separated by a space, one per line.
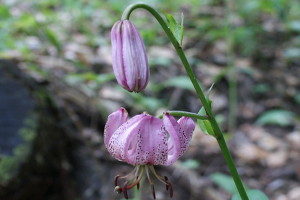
pixel 218 133
pixel 186 114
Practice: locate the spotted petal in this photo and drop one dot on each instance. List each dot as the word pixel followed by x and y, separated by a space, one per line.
pixel 147 140
pixel 114 121
pixel 173 143
pixel 187 128
pixel 125 133
pixel 149 145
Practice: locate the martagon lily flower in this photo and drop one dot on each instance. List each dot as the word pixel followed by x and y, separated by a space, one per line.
pixel 144 141
pixel 129 59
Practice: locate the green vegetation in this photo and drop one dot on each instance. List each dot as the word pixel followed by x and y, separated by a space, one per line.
pixel 9 164
pixel 31 29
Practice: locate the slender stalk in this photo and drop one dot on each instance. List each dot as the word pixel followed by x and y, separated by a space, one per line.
pixel 186 114
pixel 218 133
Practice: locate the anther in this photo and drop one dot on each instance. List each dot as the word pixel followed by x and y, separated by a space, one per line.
pixel 118 189
pixel 171 189
pixel 124 189
pixel 153 191
pixel 116 180
pixel 138 184
pixel 167 183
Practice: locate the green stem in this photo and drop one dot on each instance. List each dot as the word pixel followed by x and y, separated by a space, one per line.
pixel 218 133
pixel 186 114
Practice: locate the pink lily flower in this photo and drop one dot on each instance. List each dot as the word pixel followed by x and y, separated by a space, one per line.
pixel 144 141
pixel 129 59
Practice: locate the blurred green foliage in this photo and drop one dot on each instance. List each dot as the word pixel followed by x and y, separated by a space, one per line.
pixel 276 117
pixel 9 164
pixel 252 194
pixel 30 28
pixel 53 21
pixel 226 183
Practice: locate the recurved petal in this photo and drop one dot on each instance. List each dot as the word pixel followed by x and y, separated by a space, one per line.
pixel 126 132
pixel 174 147
pixel 114 121
pixel 187 126
pixel 149 146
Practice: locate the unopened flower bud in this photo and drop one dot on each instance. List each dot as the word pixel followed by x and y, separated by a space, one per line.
pixel 129 59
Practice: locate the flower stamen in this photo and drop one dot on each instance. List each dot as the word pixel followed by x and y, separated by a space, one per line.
pixel 124 189
pixel 136 180
pixel 134 171
pixel 153 191
pixel 164 180
pixel 171 189
pixel 135 176
pixel 138 184
pixel 151 182
pixel 116 180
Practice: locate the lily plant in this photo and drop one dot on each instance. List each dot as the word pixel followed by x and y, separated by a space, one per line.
pixel 144 140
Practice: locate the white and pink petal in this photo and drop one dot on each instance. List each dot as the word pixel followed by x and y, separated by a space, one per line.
pixel 125 133
pixel 114 121
pixel 152 142
pixel 173 128
pixel 187 127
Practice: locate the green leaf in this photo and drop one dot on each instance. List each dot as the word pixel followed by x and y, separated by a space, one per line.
pixel 26 22
pixel 179 81
pixel 208 93
pixel 191 164
pixel 4 12
pixel 294 25
pixel 224 181
pixel 177 29
pixel 252 194
pixel 7 167
pixel 51 36
pixel 145 103
pixel 151 104
pixel 291 53
pixel 276 117
pixel 297 98
pixel 261 88
pixel 205 125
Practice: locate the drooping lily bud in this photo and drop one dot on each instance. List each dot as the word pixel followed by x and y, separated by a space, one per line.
pixel 144 141
pixel 129 59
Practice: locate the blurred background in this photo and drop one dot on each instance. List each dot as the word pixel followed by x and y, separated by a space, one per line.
pixel 57 89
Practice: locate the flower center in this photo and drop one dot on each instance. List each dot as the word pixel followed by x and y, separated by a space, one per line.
pixel 135 176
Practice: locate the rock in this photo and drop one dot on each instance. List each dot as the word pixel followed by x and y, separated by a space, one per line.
pixel 294 194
